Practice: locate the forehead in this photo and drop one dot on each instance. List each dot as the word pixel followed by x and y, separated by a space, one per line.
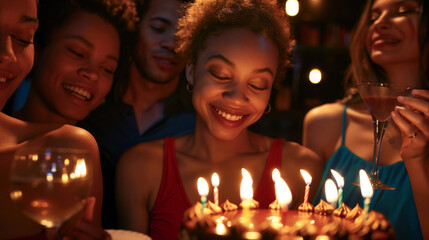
pixel 17 10
pixel 241 45
pixel 391 3
pixel 167 9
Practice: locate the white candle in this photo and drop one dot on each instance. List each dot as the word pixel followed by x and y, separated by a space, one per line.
pixel 366 190
pixel 275 175
pixel 340 182
pixel 203 190
pixel 246 194
pixel 215 183
pixel 331 192
pixel 283 193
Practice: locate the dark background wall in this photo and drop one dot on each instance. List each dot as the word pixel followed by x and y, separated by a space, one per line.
pixel 323 30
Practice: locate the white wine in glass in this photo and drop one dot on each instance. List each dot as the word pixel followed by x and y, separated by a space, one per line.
pixel 50 185
pixel 381 99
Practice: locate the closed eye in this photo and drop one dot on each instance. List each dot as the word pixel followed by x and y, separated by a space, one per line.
pixel 78 54
pixel 220 76
pixel 21 41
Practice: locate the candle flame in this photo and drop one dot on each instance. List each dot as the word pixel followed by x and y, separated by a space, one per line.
pixel 203 187
pixel 246 191
pixel 331 191
pixel 215 180
pixel 307 177
pixel 365 184
pixel 275 174
pixel 338 178
pixel 80 169
pixel 283 193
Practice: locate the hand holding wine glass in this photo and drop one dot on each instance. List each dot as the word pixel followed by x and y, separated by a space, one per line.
pixel 50 184
pixel 381 99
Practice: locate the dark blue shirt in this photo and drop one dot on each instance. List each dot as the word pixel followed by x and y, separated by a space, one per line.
pixel 115 129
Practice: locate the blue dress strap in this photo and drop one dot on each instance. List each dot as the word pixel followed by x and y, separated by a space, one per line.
pixel 343 127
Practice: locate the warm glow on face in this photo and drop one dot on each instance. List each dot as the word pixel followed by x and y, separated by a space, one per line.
pixel 275 174
pixel 365 184
pixel 203 187
pixel 338 178
pixel 315 76
pixel 246 191
pixel 292 7
pixel 215 180
pixel 307 177
pixel 331 191
pixel 283 193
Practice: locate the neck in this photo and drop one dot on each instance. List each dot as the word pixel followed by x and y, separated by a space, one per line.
pixel 203 145
pixel 397 73
pixel 143 94
pixel 35 110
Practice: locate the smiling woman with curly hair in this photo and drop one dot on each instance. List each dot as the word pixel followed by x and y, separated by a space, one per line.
pixel 236 51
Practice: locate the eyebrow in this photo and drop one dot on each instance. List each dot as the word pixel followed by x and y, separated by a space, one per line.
pixel 90 45
pixel 29 19
pixel 262 70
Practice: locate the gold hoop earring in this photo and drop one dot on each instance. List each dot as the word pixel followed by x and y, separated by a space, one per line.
pixel 268 109
pixel 189 87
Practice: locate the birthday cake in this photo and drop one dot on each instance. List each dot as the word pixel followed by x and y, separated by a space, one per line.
pixel 229 221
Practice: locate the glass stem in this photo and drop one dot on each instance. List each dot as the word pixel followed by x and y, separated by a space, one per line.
pixel 379 129
pixel 53 233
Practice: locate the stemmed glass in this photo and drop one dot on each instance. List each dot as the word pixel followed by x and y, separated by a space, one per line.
pixel 50 185
pixel 381 99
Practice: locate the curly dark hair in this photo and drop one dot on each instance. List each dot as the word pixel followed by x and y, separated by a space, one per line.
pixel 53 14
pixel 122 14
pixel 206 17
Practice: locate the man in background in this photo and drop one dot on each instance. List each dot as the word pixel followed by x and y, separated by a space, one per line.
pixel 149 103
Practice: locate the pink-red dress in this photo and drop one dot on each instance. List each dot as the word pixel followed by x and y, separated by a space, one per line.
pixel 171 202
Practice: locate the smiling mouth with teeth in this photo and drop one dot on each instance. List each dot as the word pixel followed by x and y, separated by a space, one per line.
pixel 78 92
pixel 3 79
pixel 228 116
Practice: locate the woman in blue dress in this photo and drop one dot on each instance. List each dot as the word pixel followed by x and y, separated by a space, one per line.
pixel 390 45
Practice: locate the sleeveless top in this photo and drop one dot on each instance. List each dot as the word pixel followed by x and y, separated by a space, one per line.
pixel 397 205
pixel 171 202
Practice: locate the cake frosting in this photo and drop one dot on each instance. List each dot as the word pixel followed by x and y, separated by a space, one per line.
pixel 275 223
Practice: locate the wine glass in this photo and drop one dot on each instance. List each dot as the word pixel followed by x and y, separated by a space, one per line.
pixel 50 185
pixel 381 99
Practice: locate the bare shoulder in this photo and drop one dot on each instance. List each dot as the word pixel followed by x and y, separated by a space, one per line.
pixel 299 153
pixel 325 114
pixel 139 175
pixel 322 129
pixel 144 157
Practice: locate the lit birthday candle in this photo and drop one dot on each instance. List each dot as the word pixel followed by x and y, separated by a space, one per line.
pixel 331 192
pixel 366 190
pixel 340 183
pixel 283 194
pixel 246 194
pixel 203 190
pixel 275 175
pixel 215 183
pixel 307 178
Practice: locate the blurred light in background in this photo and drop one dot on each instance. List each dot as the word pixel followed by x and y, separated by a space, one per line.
pixel 292 7
pixel 315 76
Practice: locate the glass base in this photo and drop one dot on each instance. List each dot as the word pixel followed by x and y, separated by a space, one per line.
pixel 377 184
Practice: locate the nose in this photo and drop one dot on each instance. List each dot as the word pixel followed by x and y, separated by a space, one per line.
pixel 168 41
pixel 236 92
pixel 88 73
pixel 7 54
pixel 382 22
